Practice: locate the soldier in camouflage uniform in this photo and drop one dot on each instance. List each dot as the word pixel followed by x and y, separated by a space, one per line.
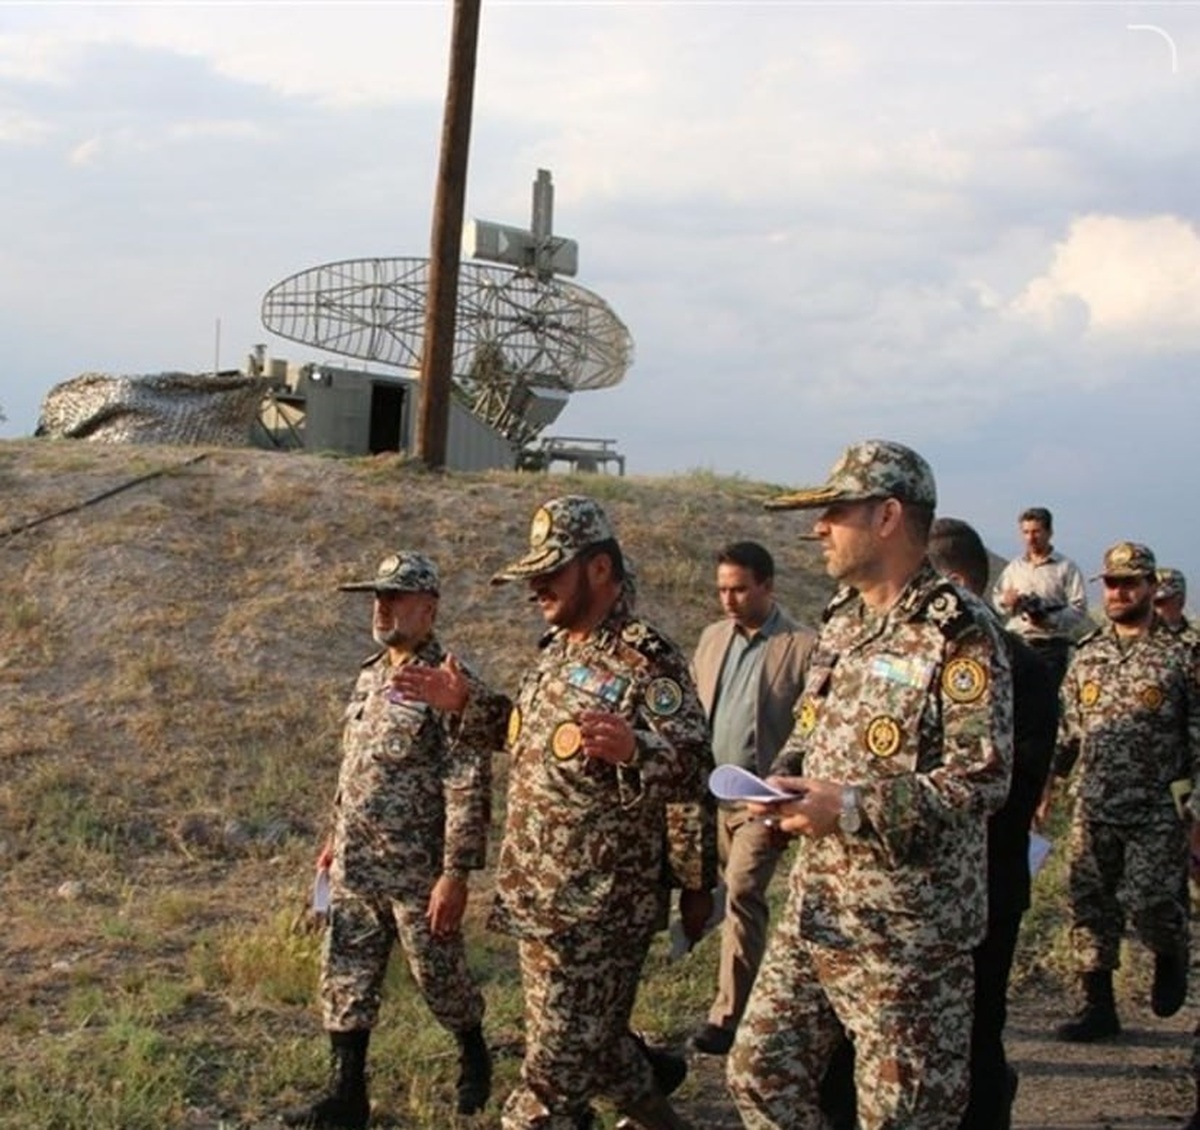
pixel 410 823
pixel 903 740
pixel 1130 727
pixel 1169 599
pixel 609 749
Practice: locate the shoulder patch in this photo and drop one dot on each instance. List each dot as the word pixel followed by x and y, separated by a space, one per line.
pixel 964 679
pixel 664 697
pixel 371 660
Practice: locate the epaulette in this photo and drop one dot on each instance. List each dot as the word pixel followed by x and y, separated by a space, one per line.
pixel 371 660
pixel 1088 637
pixel 947 607
pixel 645 639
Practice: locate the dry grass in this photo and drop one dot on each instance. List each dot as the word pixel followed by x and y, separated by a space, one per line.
pixel 174 665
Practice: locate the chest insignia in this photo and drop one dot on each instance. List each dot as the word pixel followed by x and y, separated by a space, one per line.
pixel 514 728
pixel 807 718
pixel 1089 693
pixel 1151 697
pixel 566 740
pixel 883 736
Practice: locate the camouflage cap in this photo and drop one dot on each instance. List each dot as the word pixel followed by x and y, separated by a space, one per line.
pixel 561 529
pixel 1171 583
pixel 400 572
pixel 1127 559
pixel 874 468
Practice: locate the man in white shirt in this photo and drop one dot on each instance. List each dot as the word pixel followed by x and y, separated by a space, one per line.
pixel 1042 593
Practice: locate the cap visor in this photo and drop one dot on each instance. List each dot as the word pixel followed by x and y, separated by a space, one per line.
pixel 532 565
pixel 807 498
pixel 358 586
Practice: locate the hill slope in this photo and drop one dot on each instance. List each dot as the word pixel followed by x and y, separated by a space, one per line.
pixel 174 664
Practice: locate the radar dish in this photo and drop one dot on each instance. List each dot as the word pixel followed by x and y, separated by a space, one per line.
pixel 519 341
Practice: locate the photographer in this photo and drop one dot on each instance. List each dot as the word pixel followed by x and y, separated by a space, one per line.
pixel 1042 593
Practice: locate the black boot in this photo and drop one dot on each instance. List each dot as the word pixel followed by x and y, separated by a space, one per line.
pixel 669 1070
pixel 1170 982
pixel 1097 1020
pixel 474 1071
pixel 346 1106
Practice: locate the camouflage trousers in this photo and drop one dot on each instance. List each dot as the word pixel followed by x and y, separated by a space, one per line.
pixel 1124 871
pixel 578 999
pixel 906 1006
pixel 358 942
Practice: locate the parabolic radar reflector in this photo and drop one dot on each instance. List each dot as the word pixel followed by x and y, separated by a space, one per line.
pixel 517 337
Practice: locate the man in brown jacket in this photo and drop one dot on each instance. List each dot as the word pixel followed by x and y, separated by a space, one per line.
pixel 749 669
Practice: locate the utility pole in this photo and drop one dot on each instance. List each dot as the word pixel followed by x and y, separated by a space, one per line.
pixel 437 356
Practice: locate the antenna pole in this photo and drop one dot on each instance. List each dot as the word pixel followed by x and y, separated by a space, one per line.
pixel 437 357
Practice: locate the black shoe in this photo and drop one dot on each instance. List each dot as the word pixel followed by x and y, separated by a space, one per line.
pixel 669 1070
pixel 346 1107
pixel 1093 1022
pixel 1170 983
pixel 711 1040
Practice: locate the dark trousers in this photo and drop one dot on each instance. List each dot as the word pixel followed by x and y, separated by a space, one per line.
pixel 1054 654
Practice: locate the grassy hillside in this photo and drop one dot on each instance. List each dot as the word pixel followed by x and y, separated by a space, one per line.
pixel 175 659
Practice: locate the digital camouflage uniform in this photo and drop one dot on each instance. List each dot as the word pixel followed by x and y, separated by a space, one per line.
pixel 580 873
pixel 914 707
pixel 1129 727
pixel 413 803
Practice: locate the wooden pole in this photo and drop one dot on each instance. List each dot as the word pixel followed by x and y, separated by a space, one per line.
pixel 446 242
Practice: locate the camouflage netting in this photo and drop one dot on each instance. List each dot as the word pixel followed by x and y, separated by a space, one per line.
pixel 180 408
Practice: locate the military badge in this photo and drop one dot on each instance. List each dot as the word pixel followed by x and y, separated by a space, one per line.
pixel 964 680
pixel 806 719
pixel 539 528
pixel 567 739
pixel 1152 697
pixel 664 697
pixel 514 727
pixel 1089 693
pixel 883 736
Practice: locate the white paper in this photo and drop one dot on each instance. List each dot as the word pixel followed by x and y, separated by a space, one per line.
pixel 732 782
pixel 320 892
pixel 1039 848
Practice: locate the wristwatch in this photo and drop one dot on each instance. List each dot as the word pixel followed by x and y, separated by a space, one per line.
pixel 850 818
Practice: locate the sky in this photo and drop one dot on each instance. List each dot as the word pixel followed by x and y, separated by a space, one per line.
pixel 970 227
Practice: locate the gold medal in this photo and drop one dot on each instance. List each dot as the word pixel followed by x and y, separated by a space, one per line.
pixel 883 736
pixel 567 739
pixel 964 680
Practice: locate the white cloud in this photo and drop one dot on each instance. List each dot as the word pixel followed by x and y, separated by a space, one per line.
pixel 1128 277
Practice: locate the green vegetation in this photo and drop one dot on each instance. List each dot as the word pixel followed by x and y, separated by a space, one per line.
pixel 175 663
